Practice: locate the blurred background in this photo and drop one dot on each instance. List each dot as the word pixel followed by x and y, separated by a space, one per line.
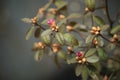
pixel 16 58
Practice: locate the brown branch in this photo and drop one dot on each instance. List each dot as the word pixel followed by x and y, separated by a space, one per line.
pixel 117 44
pixel 40 26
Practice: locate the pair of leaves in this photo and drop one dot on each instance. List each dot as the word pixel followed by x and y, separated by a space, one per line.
pixel 69 38
pixel 85 70
pixel 90 57
pixel 82 70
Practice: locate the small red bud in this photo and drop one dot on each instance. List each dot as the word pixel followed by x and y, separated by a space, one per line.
pixel 51 21
pixel 79 54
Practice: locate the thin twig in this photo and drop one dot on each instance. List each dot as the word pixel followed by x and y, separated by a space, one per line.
pixel 40 26
pixel 117 44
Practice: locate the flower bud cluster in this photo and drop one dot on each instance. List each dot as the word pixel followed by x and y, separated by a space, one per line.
pixel 34 20
pixel 55 47
pixel 95 41
pixel 80 57
pixel 39 45
pixel 53 25
pixel 114 38
pixel 95 30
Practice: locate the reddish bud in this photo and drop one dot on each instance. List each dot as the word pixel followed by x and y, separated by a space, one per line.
pixel 51 21
pixel 79 54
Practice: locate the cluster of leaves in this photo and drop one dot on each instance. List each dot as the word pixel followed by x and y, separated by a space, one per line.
pixel 99 42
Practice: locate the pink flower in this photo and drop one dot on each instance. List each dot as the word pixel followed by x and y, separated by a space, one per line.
pixel 79 54
pixel 51 21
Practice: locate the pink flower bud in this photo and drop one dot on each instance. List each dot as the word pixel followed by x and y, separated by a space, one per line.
pixel 50 21
pixel 79 54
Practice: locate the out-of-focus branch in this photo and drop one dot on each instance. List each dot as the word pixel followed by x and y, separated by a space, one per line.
pixel 107 13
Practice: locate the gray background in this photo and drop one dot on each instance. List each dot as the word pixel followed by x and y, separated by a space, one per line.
pixel 16 58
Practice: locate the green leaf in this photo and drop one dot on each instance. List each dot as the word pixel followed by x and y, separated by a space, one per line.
pixel 90 4
pixel 92 59
pixel 90 52
pixel 84 73
pixel 26 20
pixel 74 15
pixel 45 36
pixel 37 33
pixel 60 38
pixel 100 41
pixel 46 32
pixel 71 39
pixel 80 27
pixel 99 21
pixel 71 59
pixel 91 68
pixel 62 28
pixel 38 55
pixel 102 54
pixel 104 27
pixel 78 70
pixel 62 54
pixel 60 4
pixel 115 29
pixel 47 5
pixel 57 61
pixel 94 76
pixel 90 38
pixel 98 66
pixel 110 46
pixel 29 32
